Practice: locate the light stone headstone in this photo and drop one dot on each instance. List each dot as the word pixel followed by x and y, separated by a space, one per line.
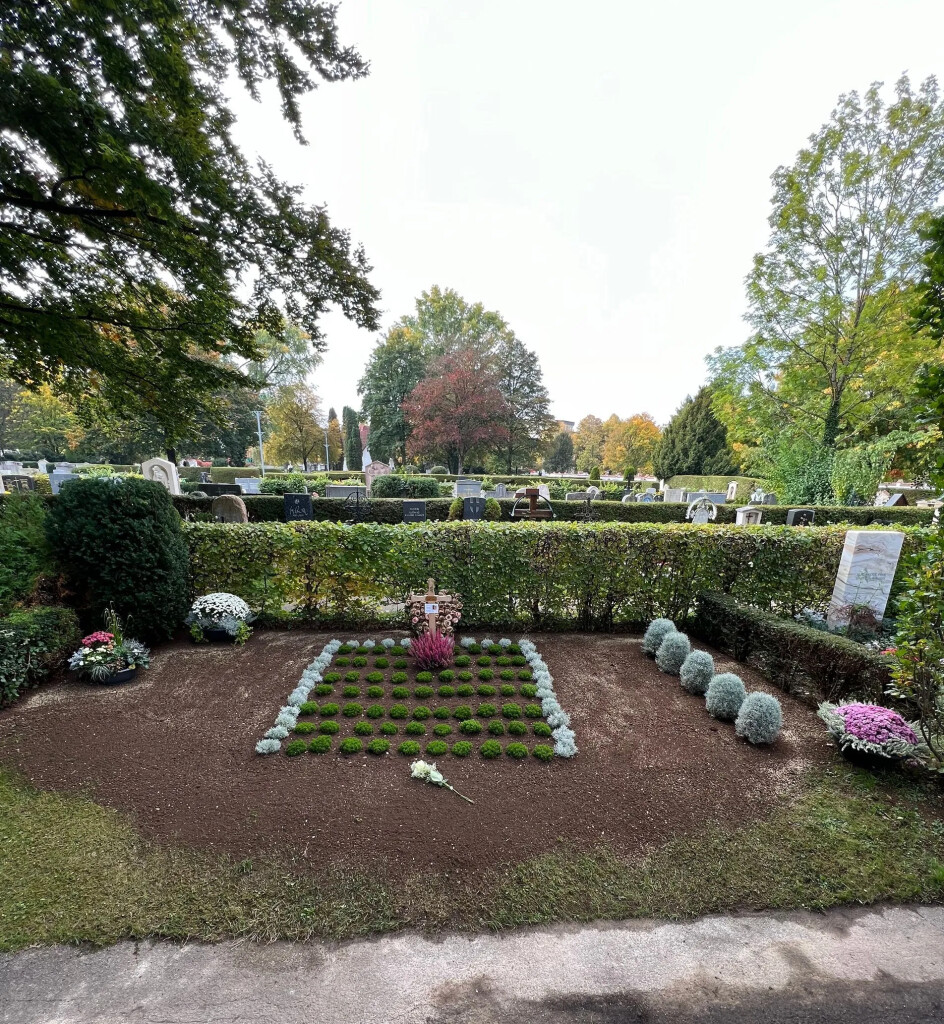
pixel 57 479
pixel 881 496
pixel 344 491
pixel 770 499
pixel 2 488
pixel 577 496
pixel 249 484
pixel 374 469
pixel 866 573
pixel 701 511
pixel 163 472
pixel 468 488
pixel 732 491
pixel 628 499
pixel 675 494
pixel 747 515
pixel 43 465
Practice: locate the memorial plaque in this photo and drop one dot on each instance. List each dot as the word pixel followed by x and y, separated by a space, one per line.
pixel 18 482
pixel 214 490
pixel 800 517
pixel 473 508
pixel 297 507
pixel 414 511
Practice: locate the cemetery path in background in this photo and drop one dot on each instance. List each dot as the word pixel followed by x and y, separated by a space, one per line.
pixel 174 749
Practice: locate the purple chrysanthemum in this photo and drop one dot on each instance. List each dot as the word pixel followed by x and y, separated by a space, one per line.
pixel 875 724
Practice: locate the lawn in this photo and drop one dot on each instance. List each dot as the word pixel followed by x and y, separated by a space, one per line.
pixel 143 810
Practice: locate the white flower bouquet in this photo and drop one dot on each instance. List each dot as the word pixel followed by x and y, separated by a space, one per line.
pixel 220 613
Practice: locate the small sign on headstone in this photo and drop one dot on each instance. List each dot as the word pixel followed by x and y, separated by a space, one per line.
pixel 431 607
pixel 414 510
pixel 297 507
pixel 800 517
pixel 473 508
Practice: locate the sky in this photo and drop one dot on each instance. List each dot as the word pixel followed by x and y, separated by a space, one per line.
pixel 599 173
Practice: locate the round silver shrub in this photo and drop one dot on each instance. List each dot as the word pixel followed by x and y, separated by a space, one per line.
pixel 725 695
pixel 672 653
pixel 760 718
pixel 696 672
pixel 656 632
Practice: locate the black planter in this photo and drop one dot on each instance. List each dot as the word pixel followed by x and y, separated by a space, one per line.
pixel 117 678
pixel 866 759
pixel 218 636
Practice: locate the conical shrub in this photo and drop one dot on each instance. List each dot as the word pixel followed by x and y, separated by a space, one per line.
pixel 696 672
pixel 672 653
pixel 725 695
pixel 760 718
pixel 656 632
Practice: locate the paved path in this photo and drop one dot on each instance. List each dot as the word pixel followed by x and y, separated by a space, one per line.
pixel 844 966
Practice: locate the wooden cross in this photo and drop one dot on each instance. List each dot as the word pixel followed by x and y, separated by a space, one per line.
pixel 432 602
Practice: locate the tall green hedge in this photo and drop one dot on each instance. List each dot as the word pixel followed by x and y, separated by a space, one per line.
pixel 23 551
pixel 559 576
pixel 119 542
pixel 32 642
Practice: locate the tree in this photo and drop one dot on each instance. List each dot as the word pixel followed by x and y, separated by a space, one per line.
pixel 335 441
pixel 283 359
pixel 588 443
pixel 446 324
pixel 296 433
pixel 527 418
pixel 351 428
pixel 396 365
pixel 456 412
pixel 40 421
pixel 140 251
pixel 694 442
pixel 832 356
pixel 560 454
pixel 929 318
pixel 630 442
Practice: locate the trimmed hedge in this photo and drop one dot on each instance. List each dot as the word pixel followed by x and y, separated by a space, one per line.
pixel 809 663
pixel 33 642
pixel 585 576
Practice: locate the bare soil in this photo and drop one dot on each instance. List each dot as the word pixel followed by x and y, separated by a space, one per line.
pixel 174 749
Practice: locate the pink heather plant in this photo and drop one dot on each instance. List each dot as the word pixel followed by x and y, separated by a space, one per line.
pixel 432 651
pixel 869 728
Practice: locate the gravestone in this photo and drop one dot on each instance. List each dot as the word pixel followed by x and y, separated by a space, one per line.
pixel 414 510
pixel 214 490
pixel 881 496
pixel 628 499
pixel 800 517
pixel 866 573
pixel 228 508
pixel 345 491
pixel 297 507
pixel 57 479
pixel 163 472
pixel 43 466
pixel 747 515
pixel 205 477
pixel 675 494
pixel 758 496
pixel 249 484
pixel 18 482
pixel 11 467
pixel 647 498
pixel 468 488
pixel 701 511
pixel 770 499
pixel 2 488
pixel 372 470
pixel 732 491
pixel 578 496
pixel 501 490
pixel 473 507
pixel 897 500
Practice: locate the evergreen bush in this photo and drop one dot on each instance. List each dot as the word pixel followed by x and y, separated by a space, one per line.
pixel 656 632
pixel 696 672
pixel 725 695
pixel 673 651
pixel 759 719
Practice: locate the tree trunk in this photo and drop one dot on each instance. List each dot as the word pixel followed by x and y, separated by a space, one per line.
pixel 171 454
pixel 831 427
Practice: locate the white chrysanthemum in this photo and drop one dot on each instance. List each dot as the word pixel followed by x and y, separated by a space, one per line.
pixel 216 607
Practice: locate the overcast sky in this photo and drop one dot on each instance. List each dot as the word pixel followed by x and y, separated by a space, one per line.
pixel 598 172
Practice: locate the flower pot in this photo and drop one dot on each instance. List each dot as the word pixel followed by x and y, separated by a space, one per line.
pixel 866 759
pixel 218 636
pixel 116 678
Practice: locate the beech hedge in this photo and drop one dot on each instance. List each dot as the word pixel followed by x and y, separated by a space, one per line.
pixel 588 576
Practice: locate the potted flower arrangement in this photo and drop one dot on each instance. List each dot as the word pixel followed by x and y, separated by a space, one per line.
pixel 220 617
pixel 869 733
pixel 107 656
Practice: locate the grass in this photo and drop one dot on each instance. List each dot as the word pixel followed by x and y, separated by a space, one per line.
pixel 72 871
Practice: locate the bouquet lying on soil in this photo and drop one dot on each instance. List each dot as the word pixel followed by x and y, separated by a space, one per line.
pixel 105 653
pixel 869 729
pixel 225 612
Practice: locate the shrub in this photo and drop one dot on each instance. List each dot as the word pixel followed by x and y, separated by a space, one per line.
pixel 415 729
pixel 484 660
pixel 424 677
pixel 465 690
pixel 443 729
pixel 519 660
pixel 363 729
pixel 329 728
pixel 374 677
pixel 351 691
pixel 364 649
pixel 375 691
pixel 507 690
pixel 378 747
pixel 398 650
pixel 327 710
pixel 696 672
pixel 463 660
pixel 516 728
pixel 462 712
pixel 528 690
pixel 409 748
pixel 446 691
pixel 32 642
pixel 543 752
pixel 351 746
pixel 395 485
pixel 399 711
pixel 436 748
pixel 447 676
pixel 380 663
pixel 388 729
pixel 525 676
pixel 352 677
pixel 473 648
pixel 421 712
pixel 656 632
pixel 432 651
pixel 423 692
pixel 323 689
pixel 516 750
pixel 496 727
pixel 760 718
pixel 485 690
pixel 673 651
pixel 442 712
pixel 532 711
pixel 725 695
pixel 320 745
pixel 511 710
pixel 308 708
pixel 352 710
pixel 490 749
pixel 119 542
pixel 486 674
pixel 23 550
pixel 506 674
pixel 332 677
pixel 486 710
pixel 304 728
pixel 541 729
pixel 869 728
pixel 462 749
pixel 342 663
pixel 295 748
pixel 470 726
pixel 358 662
pixel 345 649
pixel 400 692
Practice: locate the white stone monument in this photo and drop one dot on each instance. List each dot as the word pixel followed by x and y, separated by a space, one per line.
pixel 747 515
pixel 866 572
pixel 701 511
pixel 163 472
pixel 732 491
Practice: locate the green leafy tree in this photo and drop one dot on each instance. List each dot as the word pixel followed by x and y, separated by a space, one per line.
pixel 353 449
pixel 396 365
pixel 296 433
pixel 445 324
pixel 832 356
pixel 335 441
pixel 694 442
pixel 560 454
pixel 40 421
pixel 526 419
pixel 285 358
pixel 130 222
pixel 929 318
pixel 588 443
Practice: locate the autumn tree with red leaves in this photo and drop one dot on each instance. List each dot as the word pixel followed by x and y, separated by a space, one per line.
pixel 456 411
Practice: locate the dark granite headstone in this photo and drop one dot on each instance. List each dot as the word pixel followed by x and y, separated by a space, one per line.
pixel 18 482
pixel 800 517
pixel 473 508
pixel 214 490
pixel 297 507
pixel 414 511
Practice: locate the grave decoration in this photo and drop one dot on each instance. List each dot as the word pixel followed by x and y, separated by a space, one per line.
pixel 108 656
pixel 356 509
pixel 432 612
pixel 701 511
pixel 430 773
pixel 528 506
pixel 220 617
pixel 587 513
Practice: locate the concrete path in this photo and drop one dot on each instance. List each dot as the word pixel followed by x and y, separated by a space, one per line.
pixel 844 966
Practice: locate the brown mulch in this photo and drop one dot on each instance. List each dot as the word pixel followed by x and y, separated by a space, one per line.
pixel 174 749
